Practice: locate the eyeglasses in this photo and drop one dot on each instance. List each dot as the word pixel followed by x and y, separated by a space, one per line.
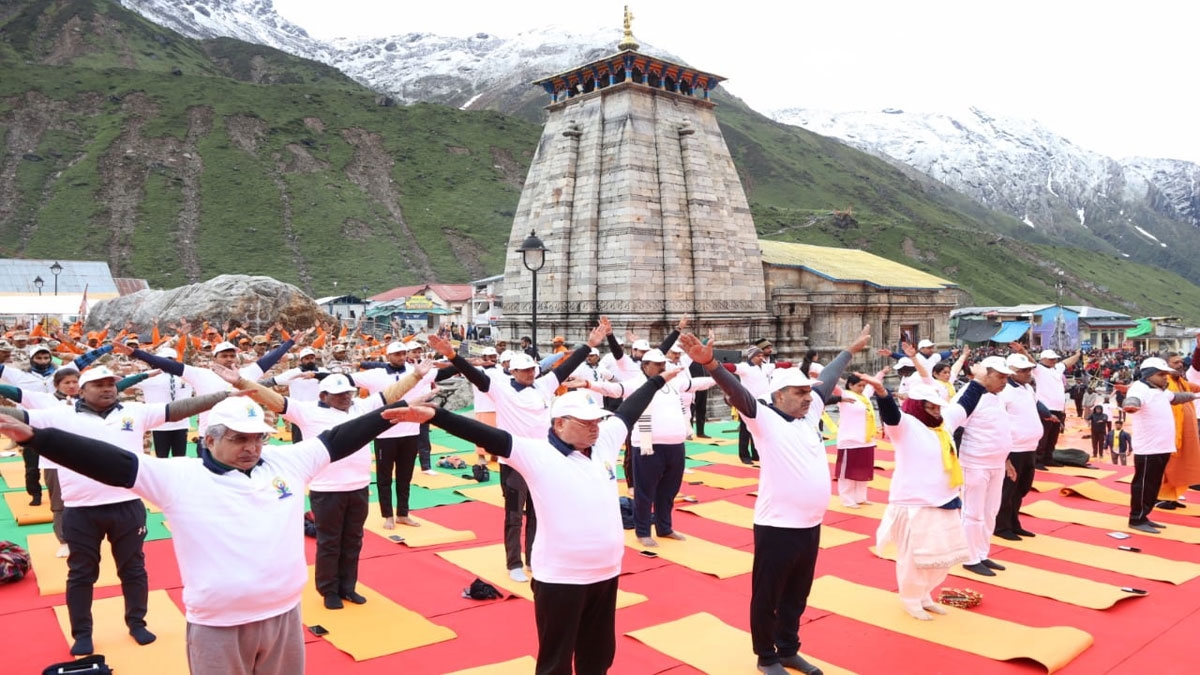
pixel 590 425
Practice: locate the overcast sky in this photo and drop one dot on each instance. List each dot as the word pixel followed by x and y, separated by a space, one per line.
pixel 1117 78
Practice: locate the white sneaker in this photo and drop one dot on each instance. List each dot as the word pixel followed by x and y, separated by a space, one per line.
pixel 63 551
pixel 430 472
pixel 518 575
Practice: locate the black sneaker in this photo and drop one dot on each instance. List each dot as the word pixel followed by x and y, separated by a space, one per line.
pixel 1167 506
pixel 1007 534
pixel 83 646
pixel 37 501
pixel 992 565
pixel 1024 532
pixel 980 569
pixel 1151 523
pixel 332 601
pixel 354 597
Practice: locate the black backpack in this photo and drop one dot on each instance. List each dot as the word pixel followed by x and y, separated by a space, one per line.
pixel 481 473
pixel 92 665
pixel 481 590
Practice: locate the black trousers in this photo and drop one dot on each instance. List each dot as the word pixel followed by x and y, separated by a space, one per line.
pixel 575 624
pixel 171 443
pixel 700 411
pixel 394 455
pixel 746 449
pixel 656 481
pixel 1098 440
pixel 33 477
pixel 340 517
pixel 84 527
pixel 1013 492
pixel 1147 479
pixel 518 508
pixel 1050 432
pixel 784 561
pixel 424 448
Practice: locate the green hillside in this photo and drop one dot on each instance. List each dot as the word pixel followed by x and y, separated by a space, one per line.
pixel 177 160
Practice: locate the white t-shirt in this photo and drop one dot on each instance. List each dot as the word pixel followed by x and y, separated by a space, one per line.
pixel 305 389
pixel 124 427
pixel 350 473
pixel 987 438
pixel 376 380
pixel 793 486
pixel 483 402
pixel 667 412
pixel 1024 422
pixel 165 388
pixel 239 539
pixel 1153 424
pixel 852 421
pixel 205 382
pixel 1051 386
pixel 920 479
pixel 26 379
pixel 580 539
pixel 524 413
pixel 756 379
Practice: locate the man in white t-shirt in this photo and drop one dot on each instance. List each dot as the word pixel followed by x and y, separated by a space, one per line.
pixel 793 494
pixel 235 517
pixel 170 439
pixel 1025 415
pixel 1148 403
pixel 1050 382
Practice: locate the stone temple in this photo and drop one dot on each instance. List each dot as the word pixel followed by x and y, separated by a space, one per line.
pixel 636 198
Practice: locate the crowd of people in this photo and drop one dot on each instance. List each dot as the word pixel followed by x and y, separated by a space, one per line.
pixel 968 430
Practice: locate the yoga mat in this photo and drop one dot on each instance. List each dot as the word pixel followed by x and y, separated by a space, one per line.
pixel 742 516
pixel 167 654
pixel 519 666
pixel 882 483
pixel 719 458
pixel 355 629
pixel 488 494
pixel 1126 479
pixel 1054 585
pixel 962 629
pixel 51 572
pixel 1102 493
pixel 703 642
pixel 151 506
pixel 1141 565
pixel 872 510
pixel 886 465
pixel 13 474
pixel 714 441
pixel 23 513
pixel 441 480
pixel 717 480
pixel 428 534
pixel 697 554
pixel 1046 486
pixel 1105 521
pixel 1079 471
pixel 487 563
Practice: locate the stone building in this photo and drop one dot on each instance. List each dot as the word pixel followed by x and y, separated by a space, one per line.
pixel 634 193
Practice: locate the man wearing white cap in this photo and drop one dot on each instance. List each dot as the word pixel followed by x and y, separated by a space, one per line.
pixel 38 378
pixel 656 445
pixel 235 515
pixel 793 494
pixel 302 383
pixel 170 438
pixel 484 407
pixel 94 511
pixel 396 448
pixel 983 453
pixel 926 352
pixel 1148 403
pixel 1050 382
pixel 571 472
pixel 522 400
pixel 339 494
pixel 1025 415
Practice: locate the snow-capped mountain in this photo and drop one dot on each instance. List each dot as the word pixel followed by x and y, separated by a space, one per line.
pixel 247 20
pixel 1015 165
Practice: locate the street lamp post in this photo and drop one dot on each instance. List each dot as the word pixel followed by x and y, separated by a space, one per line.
pixel 533 256
pixel 37 282
pixel 56 270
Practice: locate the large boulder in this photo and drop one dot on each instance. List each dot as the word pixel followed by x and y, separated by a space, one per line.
pixel 255 302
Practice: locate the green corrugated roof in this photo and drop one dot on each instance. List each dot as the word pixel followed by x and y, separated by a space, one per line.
pixel 849 264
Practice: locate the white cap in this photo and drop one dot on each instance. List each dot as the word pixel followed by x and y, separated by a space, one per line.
pixel 790 377
pixel 97 373
pixel 339 347
pixel 396 347
pixel 1049 354
pixel 488 351
pixel 926 392
pixel 579 405
pixel 415 346
pixel 1155 363
pixel 905 362
pixel 676 348
pixel 240 414
pixel 997 364
pixel 506 356
pixel 924 343
pixel 40 347
pixel 167 353
pixel 654 356
pixel 336 384
pixel 641 346
pixel 521 361
pixel 224 347
pixel 307 351
pixel 1019 362
pixel 594 352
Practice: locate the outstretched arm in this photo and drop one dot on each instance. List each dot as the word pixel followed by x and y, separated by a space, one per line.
pixel 738 396
pixel 88 456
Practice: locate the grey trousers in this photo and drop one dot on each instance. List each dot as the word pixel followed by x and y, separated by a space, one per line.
pixel 273 646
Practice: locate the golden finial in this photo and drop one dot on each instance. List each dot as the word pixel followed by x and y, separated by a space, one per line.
pixel 628 42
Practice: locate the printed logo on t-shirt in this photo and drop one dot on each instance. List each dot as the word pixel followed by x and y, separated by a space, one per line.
pixel 281 487
pixel 126 424
pixel 609 468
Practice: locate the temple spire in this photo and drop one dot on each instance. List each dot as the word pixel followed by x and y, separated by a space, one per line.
pixel 627 43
